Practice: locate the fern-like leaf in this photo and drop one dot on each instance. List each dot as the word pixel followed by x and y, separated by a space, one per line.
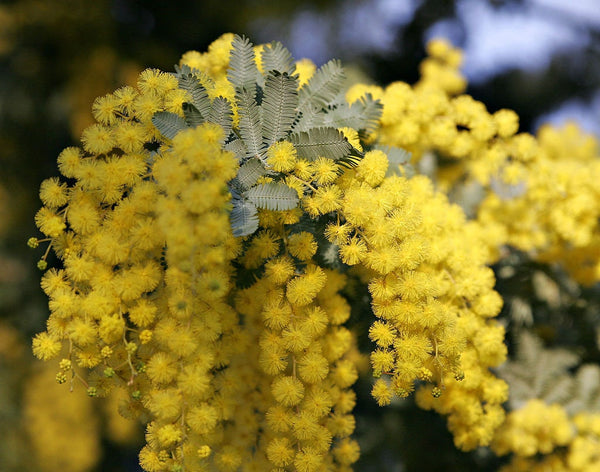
pixel 321 142
pixel 237 147
pixel 169 124
pixel 199 95
pixel 559 391
pixel 362 115
pixel 192 116
pixel 183 70
pixel 221 114
pixel 537 372
pixel 242 72
pixel 250 172
pixel 311 117
pixel 250 124
pixel 186 72
pixel 586 390
pixel 322 88
pixel 272 196
pixel 279 104
pixel 243 217
pixel 275 57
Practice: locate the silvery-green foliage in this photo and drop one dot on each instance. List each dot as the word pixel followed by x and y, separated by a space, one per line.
pixel 272 196
pixel 272 107
pixel 169 124
pixel 321 142
pixel 250 128
pixel 191 83
pixel 586 390
pixel 275 57
pixel 243 217
pixel 279 104
pixel 542 373
pixel 243 72
pixel 398 158
pixel 250 172
pixel 221 114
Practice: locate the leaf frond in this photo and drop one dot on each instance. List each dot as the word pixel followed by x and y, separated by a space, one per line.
pixel 237 147
pixel 192 116
pixel 243 217
pixel 362 115
pixel 202 77
pixel 323 86
pixel 250 127
pixel 276 57
pixel 537 372
pixel 242 72
pixel 272 196
pixel 169 124
pixel 199 95
pixel 221 114
pixel 250 172
pixel 310 117
pixel 278 106
pixel 321 142
pixel 398 159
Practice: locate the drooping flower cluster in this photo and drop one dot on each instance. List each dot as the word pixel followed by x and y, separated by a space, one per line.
pixel 145 240
pixel 432 295
pixel 214 218
pixel 533 193
pixel 303 366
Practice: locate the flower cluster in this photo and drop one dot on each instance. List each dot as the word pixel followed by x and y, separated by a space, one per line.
pixel 568 444
pixel 304 362
pixel 539 193
pixel 555 214
pixel 432 295
pixel 536 428
pixel 214 218
pixel 145 241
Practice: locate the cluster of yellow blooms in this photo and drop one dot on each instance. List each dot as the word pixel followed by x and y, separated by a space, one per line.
pixel 145 242
pixel 235 347
pixel 556 216
pixel 565 444
pixel 431 293
pixel 541 195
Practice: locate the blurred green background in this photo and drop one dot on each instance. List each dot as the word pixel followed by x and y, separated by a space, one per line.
pixel 538 57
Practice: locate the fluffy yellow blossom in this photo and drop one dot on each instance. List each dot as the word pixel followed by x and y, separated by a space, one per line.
pixel 302 289
pixel 372 168
pixel 282 156
pixel 302 245
pixel 305 69
pixel 126 233
pixel 280 452
pixel 45 346
pixel 288 391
